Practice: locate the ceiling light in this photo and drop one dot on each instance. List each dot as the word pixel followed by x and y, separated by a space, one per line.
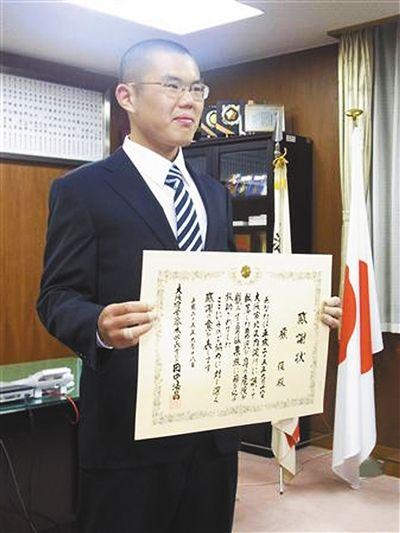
pixel 175 16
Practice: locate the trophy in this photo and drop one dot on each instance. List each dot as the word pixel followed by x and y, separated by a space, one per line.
pixel 230 117
pixel 208 122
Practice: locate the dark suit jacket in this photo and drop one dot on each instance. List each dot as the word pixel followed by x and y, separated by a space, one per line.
pixel 102 217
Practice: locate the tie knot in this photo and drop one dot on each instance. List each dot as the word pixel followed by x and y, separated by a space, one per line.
pixel 174 177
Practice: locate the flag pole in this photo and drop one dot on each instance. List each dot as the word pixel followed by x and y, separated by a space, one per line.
pixel 285 433
pixel 281 485
pixel 354 113
pixel 370 467
pixel 354 436
pixel 277 153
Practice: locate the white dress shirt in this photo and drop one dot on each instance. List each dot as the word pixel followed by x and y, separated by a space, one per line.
pixel 154 169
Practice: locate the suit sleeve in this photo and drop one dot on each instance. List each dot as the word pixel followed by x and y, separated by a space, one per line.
pixel 66 304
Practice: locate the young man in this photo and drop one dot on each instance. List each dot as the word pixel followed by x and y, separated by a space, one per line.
pixel 102 216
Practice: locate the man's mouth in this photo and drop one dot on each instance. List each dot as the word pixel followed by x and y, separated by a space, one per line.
pixel 184 120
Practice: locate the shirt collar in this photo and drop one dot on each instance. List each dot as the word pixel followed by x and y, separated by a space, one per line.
pixel 151 165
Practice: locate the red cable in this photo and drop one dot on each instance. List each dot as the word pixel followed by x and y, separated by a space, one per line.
pixel 75 408
pixel 56 394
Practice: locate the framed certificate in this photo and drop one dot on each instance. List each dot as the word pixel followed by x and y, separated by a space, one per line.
pixel 42 120
pixel 237 340
pixel 263 118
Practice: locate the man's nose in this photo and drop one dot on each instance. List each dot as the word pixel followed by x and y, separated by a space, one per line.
pixel 186 97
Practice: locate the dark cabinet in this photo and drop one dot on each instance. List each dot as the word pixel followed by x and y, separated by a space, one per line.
pixel 253 155
pixel 248 156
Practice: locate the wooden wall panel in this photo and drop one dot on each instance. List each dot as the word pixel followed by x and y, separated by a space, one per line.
pixel 24 191
pixel 387 391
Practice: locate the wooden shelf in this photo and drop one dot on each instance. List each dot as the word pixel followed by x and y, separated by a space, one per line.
pixel 243 199
pixel 249 228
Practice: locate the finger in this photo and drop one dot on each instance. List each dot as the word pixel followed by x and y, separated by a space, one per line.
pixel 133 319
pixel 333 301
pixel 128 307
pixel 336 312
pixel 330 321
pixel 134 333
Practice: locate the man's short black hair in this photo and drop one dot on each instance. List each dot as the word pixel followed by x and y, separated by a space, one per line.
pixel 136 60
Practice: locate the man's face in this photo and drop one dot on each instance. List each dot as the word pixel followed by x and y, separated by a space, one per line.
pixel 161 121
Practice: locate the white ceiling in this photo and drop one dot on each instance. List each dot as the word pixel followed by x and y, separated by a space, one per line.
pixel 61 32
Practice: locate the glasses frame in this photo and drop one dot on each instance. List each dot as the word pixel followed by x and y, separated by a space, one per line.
pixel 185 86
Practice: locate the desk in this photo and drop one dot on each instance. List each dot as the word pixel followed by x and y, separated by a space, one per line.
pixel 23 370
pixel 41 440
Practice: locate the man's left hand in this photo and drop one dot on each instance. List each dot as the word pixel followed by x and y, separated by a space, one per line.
pixel 332 312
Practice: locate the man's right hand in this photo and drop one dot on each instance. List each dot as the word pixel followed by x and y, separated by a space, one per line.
pixel 121 325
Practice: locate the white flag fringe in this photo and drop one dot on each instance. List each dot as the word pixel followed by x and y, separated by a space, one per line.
pixel 285 433
pixel 355 430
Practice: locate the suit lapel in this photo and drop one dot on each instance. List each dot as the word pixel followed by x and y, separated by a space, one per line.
pixel 126 181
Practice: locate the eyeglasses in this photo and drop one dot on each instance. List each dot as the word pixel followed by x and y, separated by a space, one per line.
pixel 199 91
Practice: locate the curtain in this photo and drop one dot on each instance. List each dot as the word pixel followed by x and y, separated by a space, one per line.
pixel 385 191
pixel 355 91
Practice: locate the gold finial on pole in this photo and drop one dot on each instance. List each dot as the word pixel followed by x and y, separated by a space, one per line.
pixel 280 161
pixel 354 114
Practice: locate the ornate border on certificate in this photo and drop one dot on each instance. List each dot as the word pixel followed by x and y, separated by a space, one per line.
pixel 160 418
pixel 238 340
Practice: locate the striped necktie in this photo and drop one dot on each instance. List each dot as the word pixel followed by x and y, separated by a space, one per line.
pixel 187 224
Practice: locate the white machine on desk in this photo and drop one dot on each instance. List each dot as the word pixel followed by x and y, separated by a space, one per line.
pixel 42 383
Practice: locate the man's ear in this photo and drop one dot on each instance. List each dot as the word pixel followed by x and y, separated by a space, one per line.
pixel 126 97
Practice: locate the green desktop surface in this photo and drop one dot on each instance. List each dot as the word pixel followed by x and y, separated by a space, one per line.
pixel 23 370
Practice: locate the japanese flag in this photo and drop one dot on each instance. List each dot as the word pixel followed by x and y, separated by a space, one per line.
pixel 285 433
pixel 355 430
